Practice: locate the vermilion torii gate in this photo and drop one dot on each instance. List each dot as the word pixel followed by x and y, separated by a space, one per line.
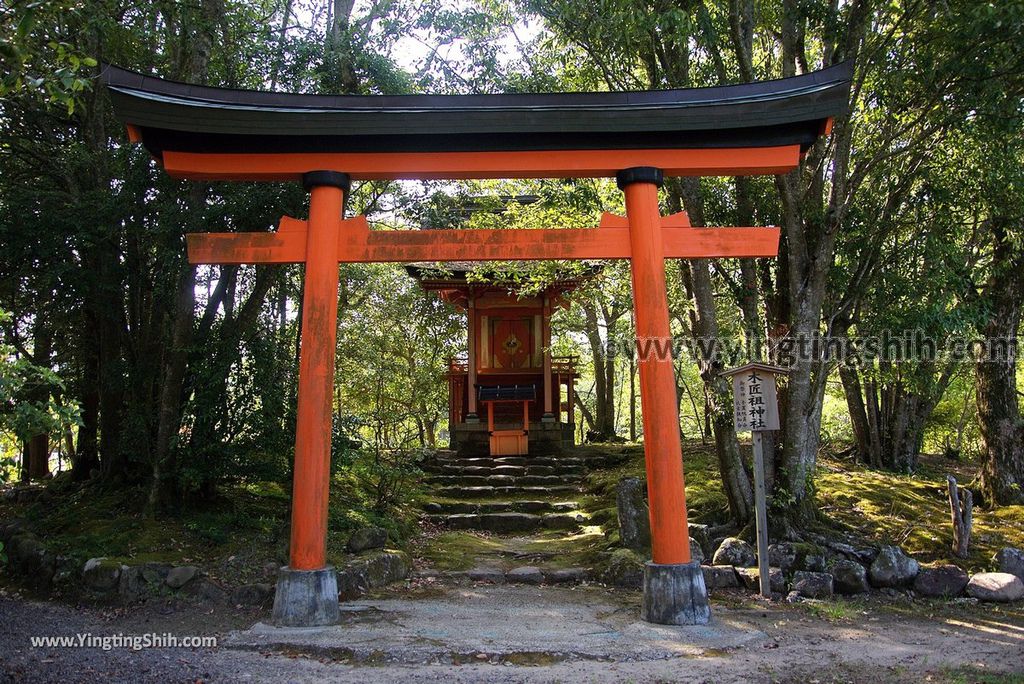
pixel 325 141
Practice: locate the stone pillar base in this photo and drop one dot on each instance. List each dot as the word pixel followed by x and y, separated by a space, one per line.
pixel 547 418
pixel 472 419
pixel 306 598
pixel 675 595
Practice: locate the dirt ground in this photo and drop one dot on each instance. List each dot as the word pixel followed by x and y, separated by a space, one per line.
pixel 461 632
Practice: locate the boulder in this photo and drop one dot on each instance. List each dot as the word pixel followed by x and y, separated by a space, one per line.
pixel 849 577
pixel 371 571
pixel 566 575
pixel 625 569
pixel 155 573
pixel 720 577
pixel 940 580
pixel 817 585
pixel 527 574
pixel 101 575
pixel 180 576
pixel 131 586
pixel 489 575
pixel 1010 560
pixel 206 589
pixel 634 520
pixel 702 535
pixel 696 552
pixel 367 538
pixel 1000 587
pixel 259 594
pixel 814 563
pixel 893 568
pixel 31 558
pixel 751 579
pixel 782 555
pixel 734 551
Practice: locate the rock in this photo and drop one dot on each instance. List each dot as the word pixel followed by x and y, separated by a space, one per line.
pixel 433 507
pixel 1010 560
pixel 696 552
pixel 816 585
pixel 101 575
pixel 371 571
pixel 941 580
pixel 271 569
pixel 720 577
pixel 560 521
pixel 180 576
pixel 154 573
pixel 995 586
pixel 701 534
pixel 259 594
pixel 488 575
pixel 10 528
pixel 566 575
pixel 849 577
pixel 634 520
pixel 207 590
pixel 793 597
pixel 527 574
pixel 751 579
pixel 506 523
pixel 734 551
pixel 625 569
pixel 31 558
pixel 366 538
pixel 782 555
pixel 893 568
pixel 814 563
pixel 130 585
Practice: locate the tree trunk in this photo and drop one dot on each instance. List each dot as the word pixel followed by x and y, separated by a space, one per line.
pixel 1001 480
pixel 704 325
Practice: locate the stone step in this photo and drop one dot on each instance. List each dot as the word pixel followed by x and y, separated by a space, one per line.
pixel 463 461
pixel 457 492
pixel 505 470
pixel 503 480
pixel 508 523
pixel 450 507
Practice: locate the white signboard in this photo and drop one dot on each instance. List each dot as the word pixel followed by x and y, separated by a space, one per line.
pixel 755 405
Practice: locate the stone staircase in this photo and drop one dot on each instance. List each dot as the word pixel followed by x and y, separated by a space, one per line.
pixel 505 494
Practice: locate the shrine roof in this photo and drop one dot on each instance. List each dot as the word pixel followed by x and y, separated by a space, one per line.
pixel 180 117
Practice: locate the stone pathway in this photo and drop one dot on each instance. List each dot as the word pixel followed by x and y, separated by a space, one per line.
pixel 509 494
pixel 524 507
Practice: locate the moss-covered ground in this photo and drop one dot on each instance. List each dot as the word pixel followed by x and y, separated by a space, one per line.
pixel 244 526
pixel 247 524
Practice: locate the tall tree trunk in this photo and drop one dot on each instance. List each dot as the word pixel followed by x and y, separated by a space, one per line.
pixel 1001 480
pixel 704 325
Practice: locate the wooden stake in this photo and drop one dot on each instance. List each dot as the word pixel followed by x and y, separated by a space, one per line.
pixel 761 516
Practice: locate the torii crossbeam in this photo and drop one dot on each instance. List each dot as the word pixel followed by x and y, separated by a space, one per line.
pixel 211 133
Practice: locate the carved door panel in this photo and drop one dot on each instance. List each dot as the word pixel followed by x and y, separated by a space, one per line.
pixel 512 342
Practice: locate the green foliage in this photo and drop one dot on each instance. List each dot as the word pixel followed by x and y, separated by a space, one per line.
pixel 38 55
pixel 33 401
pixel 3 556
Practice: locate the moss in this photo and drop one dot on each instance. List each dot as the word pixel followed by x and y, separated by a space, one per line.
pixel 457 550
pixel 913 512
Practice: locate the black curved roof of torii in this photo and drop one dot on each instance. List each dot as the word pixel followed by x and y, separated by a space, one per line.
pixel 190 118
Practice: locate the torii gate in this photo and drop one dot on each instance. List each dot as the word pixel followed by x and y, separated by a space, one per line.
pixel 325 141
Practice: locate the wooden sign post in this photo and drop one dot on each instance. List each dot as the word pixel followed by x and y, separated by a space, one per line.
pixel 756 410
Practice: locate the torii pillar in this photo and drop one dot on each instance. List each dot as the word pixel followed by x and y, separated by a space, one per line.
pixel 307 588
pixel 674 589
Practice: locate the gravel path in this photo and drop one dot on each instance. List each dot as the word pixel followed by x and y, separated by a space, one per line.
pixel 517 634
